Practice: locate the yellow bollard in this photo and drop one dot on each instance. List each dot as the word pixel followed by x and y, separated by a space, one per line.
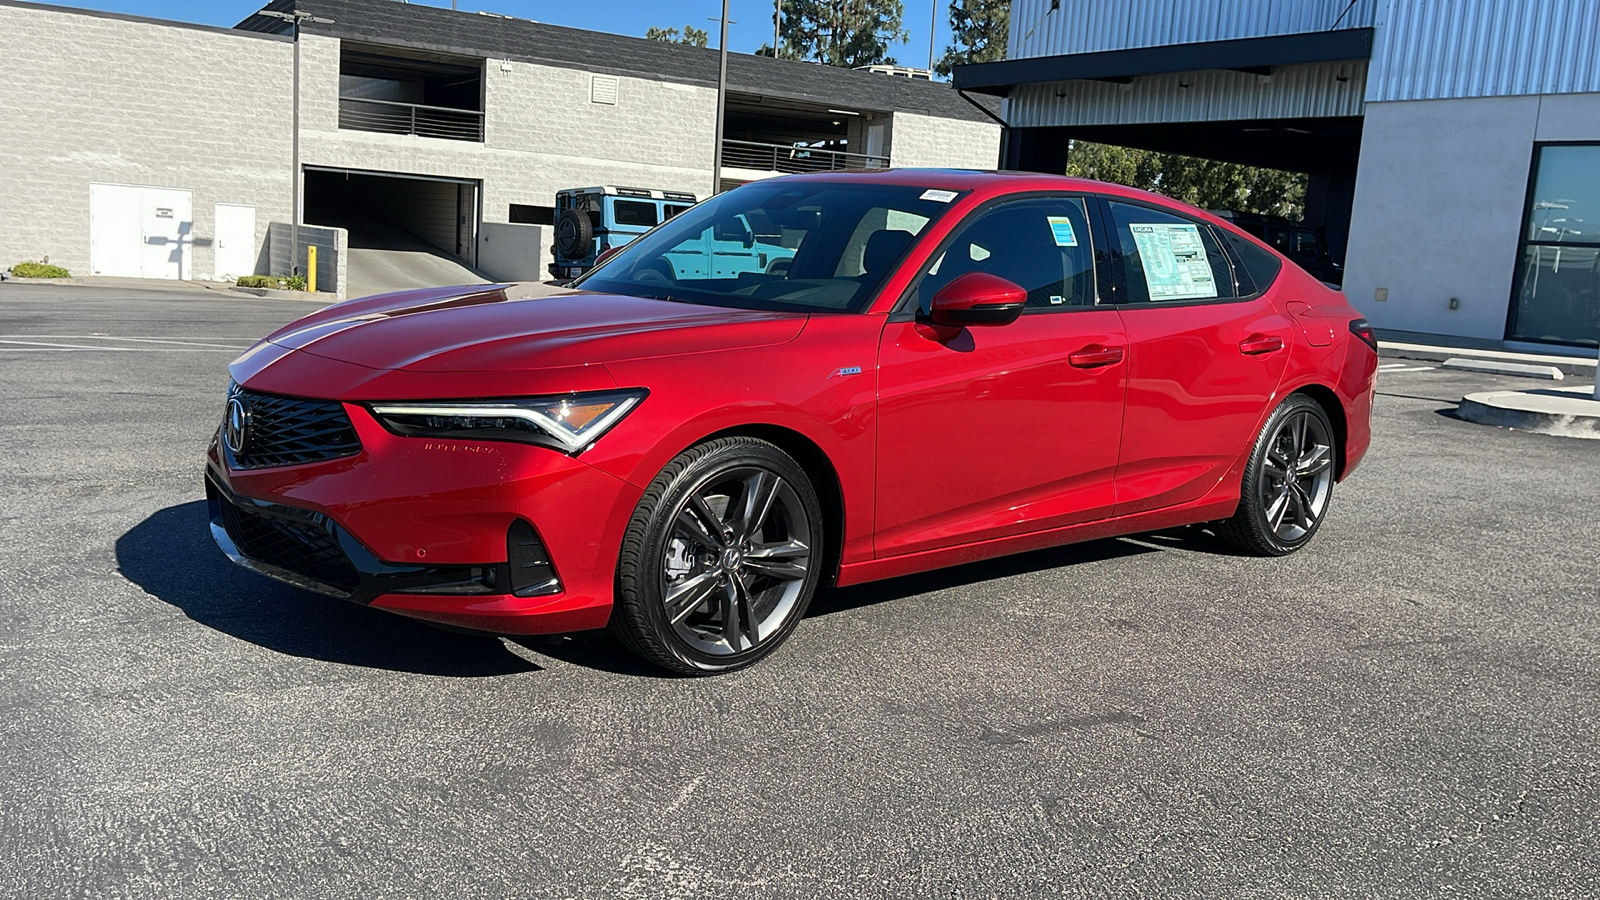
pixel 311 268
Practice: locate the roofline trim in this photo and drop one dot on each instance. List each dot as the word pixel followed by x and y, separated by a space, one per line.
pixel 1258 53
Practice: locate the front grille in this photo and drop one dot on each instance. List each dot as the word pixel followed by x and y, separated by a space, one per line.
pixel 287 431
pixel 300 541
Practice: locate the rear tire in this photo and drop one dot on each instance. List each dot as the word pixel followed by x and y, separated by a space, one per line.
pixel 720 559
pixel 1288 482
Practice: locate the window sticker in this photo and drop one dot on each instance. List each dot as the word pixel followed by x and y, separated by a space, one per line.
pixel 1175 263
pixel 1061 229
pixel 939 196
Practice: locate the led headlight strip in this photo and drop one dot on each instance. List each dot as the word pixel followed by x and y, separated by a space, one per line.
pixel 569 422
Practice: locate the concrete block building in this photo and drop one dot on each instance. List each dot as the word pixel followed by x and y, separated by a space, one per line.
pixel 1453 146
pixel 158 149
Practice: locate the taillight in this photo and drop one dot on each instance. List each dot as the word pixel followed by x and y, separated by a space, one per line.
pixel 1362 329
pixel 605 253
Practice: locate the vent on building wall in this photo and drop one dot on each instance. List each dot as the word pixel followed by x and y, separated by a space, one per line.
pixel 603 89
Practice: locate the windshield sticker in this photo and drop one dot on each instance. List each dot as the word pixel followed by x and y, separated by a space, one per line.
pixel 1061 229
pixel 938 196
pixel 1174 261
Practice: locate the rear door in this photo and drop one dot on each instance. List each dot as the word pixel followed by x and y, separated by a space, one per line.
pixel 1204 362
pixel 1004 429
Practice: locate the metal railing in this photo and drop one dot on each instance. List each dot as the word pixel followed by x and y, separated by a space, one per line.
pixel 792 160
pixel 389 117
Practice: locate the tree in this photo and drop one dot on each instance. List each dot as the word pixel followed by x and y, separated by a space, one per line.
pixel 846 33
pixel 1205 183
pixel 697 37
pixel 978 28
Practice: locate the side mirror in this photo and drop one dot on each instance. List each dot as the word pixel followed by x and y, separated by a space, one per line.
pixel 977 298
pixel 734 231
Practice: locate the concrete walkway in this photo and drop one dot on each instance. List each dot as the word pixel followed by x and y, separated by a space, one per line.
pixel 1566 411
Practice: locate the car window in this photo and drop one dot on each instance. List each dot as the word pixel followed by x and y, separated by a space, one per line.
pixel 878 242
pixel 634 212
pixel 802 245
pixel 1164 257
pixel 1255 267
pixel 1040 244
pixel 671 209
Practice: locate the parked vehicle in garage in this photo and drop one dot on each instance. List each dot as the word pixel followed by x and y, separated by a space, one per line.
pixel 1306 246
pixel 951 366
pixel 590 221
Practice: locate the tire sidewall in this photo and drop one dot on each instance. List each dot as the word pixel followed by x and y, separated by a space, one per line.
pixel 1251 492
pixel 657 532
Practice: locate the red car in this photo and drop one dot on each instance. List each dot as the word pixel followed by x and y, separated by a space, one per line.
pixel 951 366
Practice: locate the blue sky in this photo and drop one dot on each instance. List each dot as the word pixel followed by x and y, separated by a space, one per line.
pixel 752 18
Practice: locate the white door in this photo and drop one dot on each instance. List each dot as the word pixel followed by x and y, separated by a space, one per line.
pixel 116 236
pixel 140 232
pixel 235 241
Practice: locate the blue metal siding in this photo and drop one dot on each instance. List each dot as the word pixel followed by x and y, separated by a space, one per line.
pixel 1089 26
pixel 1441 49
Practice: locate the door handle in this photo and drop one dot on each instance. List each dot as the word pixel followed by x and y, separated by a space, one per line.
pixel 1258 344
pixel 1095 356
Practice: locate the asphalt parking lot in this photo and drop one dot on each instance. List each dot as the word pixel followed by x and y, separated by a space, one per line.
pixel 1406 709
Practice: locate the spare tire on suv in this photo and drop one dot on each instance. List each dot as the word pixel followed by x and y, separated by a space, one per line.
pixel 574 234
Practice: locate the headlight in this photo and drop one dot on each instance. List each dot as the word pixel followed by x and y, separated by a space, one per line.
pixel 568 423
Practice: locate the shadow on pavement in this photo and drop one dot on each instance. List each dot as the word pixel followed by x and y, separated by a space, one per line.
pixel 845 599
pixel 172 557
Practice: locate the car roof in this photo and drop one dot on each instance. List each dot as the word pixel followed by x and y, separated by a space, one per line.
pixel 988 182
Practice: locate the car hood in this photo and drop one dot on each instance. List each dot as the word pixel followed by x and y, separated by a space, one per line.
pixel 485 328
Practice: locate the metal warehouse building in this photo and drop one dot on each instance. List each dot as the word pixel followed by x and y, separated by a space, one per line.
pixel 150 148
pixel 1453 145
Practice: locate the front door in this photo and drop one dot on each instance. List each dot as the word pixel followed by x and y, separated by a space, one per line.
pixel 1203 362
pixel 235 241
pixel 1004 429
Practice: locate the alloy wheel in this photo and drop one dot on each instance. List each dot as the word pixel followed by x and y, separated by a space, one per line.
pixel 1296 476
pixel 736 560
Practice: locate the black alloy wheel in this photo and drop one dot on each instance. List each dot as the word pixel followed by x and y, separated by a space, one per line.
pixel 721 558
pixel 1288 482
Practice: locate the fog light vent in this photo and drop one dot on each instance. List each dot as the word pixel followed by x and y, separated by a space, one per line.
pixel 531 571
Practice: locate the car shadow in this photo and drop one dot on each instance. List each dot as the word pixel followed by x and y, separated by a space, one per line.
pixel 172 557
pixel 836 600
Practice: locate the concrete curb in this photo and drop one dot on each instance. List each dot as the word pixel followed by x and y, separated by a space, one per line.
pixel 1564 412
pixel 1502 367
pixel 271 294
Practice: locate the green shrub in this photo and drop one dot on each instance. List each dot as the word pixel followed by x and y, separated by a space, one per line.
pixel 38 270
pixel 272 282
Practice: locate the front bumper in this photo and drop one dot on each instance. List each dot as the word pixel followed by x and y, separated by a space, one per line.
pixel 504 538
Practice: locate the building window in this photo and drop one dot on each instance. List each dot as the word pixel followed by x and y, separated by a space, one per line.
pixel 1557 294
pixel 532 215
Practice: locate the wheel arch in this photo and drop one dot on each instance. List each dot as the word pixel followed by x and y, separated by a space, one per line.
pixel 824 478
pixel 1325 397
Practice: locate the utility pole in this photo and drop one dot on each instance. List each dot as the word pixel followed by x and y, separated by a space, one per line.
pixel 777 16
pixel 722 100
pixel 297 19
pixel 933 32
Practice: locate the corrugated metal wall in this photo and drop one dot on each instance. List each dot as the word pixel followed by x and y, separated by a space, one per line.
pixel 1439 49
pixel 1293 92
pixel 1087 26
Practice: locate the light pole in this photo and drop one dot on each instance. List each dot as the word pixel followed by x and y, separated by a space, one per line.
pixel 933 32
pixel 296 19
pixel 777 17
pixel 722 100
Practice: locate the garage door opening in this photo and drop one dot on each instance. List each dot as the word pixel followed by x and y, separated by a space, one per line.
pixel 405 231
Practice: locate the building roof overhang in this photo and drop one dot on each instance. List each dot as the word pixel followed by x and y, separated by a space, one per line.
pixel 1259 55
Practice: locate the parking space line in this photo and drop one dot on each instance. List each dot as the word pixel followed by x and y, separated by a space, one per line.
pixel 43 347
pixel 187 342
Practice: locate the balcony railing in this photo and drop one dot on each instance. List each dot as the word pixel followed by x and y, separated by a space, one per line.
pixel 389 117
pixel 792 160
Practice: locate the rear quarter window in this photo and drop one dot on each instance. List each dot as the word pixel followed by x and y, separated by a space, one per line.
pixel 1256 267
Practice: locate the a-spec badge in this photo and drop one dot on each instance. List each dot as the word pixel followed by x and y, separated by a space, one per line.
pixel 847 370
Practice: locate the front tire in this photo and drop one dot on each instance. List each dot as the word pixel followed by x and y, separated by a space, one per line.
pixel 721 558
pixel 1288 482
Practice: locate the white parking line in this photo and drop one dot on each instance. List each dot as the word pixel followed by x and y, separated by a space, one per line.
pixel 43 347
pixel 186 342
pixel 1410 369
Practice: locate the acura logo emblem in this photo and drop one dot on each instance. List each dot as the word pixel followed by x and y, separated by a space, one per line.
pixel 236 431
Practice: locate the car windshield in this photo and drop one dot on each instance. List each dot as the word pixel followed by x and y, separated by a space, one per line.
pixel 801 246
